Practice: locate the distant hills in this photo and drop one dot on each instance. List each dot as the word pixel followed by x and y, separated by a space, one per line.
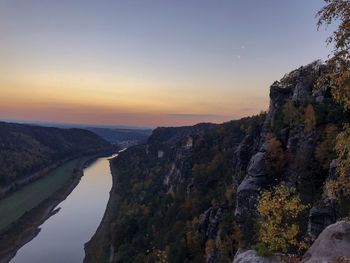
pixel 28 149
pixel 67 125
pixel 122 137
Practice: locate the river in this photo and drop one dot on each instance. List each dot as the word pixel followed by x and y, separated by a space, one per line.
pixel 62 236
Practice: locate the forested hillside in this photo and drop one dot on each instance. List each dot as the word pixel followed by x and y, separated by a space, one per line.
pixel 26 149
pixel 122 137
pixel 197 194
pixel 171 190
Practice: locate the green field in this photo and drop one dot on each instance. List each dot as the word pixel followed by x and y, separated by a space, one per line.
pixel 28 197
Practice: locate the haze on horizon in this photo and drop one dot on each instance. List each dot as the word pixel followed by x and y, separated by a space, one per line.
pixel 150 63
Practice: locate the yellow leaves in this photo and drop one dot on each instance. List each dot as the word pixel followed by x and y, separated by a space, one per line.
pixel 340 186
pixel 209 246
pixel 338 75
pixel 343 151
pixel 278 209
pixel 161 255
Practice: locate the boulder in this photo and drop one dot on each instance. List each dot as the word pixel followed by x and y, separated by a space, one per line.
pixel 332 243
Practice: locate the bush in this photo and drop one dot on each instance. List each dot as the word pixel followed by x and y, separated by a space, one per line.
pixel 279 211
pixel 340 186
pixel 262 249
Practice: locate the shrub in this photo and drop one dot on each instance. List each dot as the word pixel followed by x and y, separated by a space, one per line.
pixel 340 186
pixel 262 249
pixel 279 210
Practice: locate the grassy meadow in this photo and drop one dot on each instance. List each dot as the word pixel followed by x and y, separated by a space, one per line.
pixel 15 205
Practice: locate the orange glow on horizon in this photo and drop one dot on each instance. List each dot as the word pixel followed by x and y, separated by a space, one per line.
pixel 107 99
pixel 157 63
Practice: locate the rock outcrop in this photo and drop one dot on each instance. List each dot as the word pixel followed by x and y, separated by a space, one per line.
pixel 209 221
pixel 332 243
pixel 323 213
pixel 298 144
pixel 251 256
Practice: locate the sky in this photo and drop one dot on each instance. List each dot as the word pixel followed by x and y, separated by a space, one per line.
pixel 150 62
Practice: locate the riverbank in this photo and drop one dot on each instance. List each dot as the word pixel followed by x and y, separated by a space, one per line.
pixel 26 227
pixel 12 188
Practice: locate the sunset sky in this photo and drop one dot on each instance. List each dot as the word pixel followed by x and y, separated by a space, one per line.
pixel 150 62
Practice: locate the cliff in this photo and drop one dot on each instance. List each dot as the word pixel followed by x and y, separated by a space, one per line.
pixel 191 193
pixel 307 161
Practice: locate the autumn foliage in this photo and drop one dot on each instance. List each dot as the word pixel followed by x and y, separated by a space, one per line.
pixel 276 159
pixel 279 210
pixel 340 186
pixel 338 74
pixel 338 77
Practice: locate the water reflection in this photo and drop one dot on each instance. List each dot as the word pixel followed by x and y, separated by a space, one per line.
pixel 62 236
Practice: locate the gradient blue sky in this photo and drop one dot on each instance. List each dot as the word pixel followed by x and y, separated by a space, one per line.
pixel 150 62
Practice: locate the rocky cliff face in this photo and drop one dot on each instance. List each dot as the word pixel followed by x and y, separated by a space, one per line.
pixel 301 170
pixel 176 194
pixel 180 195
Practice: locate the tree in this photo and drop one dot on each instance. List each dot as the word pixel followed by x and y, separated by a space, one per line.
pixel 340 186
pixel 275 156
pixel 338 73
pixel 279 210
pixel 291 115
pixel 193 243
pixel 324 152
pixel 337 76
pixel 309 118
